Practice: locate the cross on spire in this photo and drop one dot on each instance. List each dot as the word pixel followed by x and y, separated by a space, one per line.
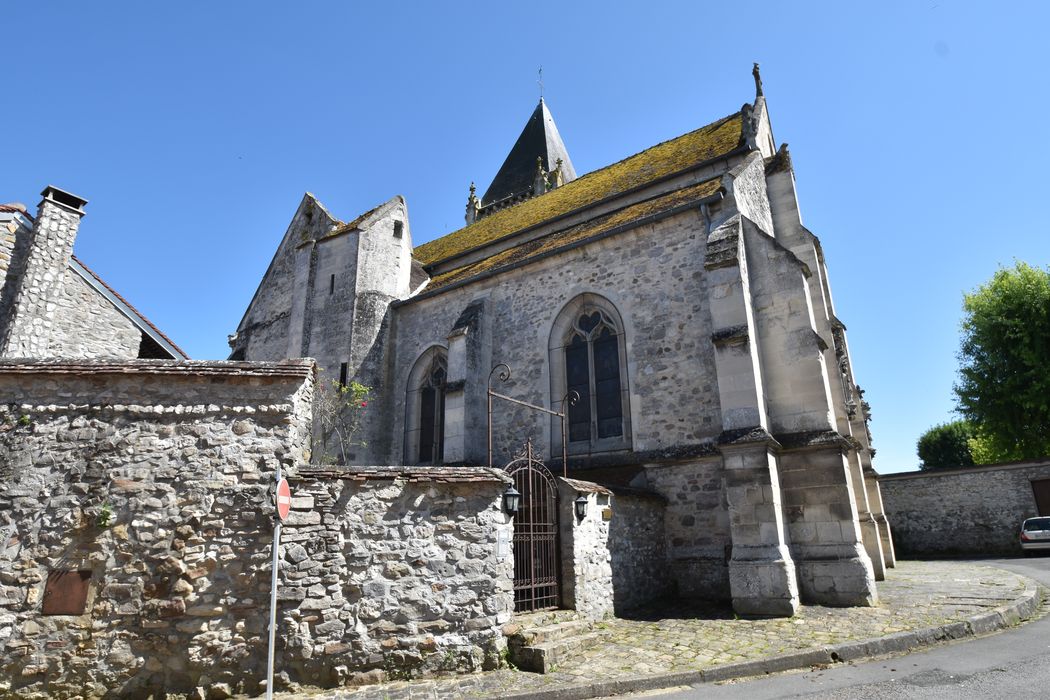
pixel 540 81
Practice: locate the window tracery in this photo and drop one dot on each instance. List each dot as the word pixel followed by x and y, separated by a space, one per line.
pixel 588 356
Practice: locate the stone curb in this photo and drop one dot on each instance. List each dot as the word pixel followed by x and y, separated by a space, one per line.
pixel 1021 608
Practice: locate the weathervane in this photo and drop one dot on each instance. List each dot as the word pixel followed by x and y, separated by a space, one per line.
pixel 540 81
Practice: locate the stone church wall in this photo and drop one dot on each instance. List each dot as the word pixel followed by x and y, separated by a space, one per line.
pixel 268 330
pixel 975 511
pixel 697 526
pixel 154 479
pixel 670 362
pixel 87 325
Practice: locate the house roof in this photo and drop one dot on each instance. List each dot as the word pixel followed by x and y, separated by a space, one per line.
pixel 668 158
pixel 539 139
pixel 571 236
pixel 122 304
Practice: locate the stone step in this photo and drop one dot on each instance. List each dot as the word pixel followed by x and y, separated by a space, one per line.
pixel 531 636
pixel 544 657
pixel 544 618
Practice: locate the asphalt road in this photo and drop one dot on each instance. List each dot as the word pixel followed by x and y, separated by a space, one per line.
pixel 1014 664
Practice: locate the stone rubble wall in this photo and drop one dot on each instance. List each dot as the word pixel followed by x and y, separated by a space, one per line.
pixel 395 572
pixel 157 476
pixel 154 476
pixel 975 511
pixel 614 558
pixel 88 325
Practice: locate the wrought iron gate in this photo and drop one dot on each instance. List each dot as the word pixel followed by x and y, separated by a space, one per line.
pixel 535 534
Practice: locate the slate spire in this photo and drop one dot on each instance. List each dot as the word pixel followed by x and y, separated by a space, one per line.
pixel 539 140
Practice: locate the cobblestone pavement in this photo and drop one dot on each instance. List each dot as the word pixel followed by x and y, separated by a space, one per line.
pixel 691 636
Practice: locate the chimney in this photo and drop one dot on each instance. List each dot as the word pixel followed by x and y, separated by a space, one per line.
pixel 27 332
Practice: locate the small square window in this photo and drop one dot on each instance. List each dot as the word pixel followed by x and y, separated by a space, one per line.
pixel 65 592
pixel 399 228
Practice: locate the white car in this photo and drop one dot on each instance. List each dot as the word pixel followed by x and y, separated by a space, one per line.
pixel 1035 535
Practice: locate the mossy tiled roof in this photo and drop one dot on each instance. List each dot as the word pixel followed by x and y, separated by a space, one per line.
pixel 581 232
pixel 351 225
pixel 664 159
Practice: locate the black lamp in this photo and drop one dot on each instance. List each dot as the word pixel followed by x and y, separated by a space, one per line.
pixel 511 500
pixel 581 507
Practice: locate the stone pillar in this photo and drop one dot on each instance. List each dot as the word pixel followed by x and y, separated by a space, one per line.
pixel 50 247
pixel 869 528
pixel 586 569
pixel 465 419
pixel 875 501
pixel 833 566
pixel 762 578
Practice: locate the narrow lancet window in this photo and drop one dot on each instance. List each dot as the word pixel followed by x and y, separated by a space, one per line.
pixel 432 414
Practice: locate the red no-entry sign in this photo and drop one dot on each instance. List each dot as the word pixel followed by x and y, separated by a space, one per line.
pixel 284 499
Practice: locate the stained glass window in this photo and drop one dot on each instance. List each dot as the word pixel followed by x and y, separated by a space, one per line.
pixel 592 369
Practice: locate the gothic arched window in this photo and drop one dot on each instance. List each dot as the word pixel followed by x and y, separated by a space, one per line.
pixel 432 413
pixel 425 406
pixel 588 357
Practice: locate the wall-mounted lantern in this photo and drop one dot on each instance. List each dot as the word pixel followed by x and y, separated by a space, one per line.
pixel 511 500
pixel 580 504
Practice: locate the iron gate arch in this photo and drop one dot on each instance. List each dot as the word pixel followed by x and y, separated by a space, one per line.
pixel 536 555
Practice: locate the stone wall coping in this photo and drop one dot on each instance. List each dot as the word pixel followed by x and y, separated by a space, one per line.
pixel 586 486
pixel 300 368
pixel 420 473
pixel 1002 466
pixel 613 489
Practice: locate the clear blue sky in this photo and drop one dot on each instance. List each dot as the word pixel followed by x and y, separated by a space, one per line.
pixel 917 131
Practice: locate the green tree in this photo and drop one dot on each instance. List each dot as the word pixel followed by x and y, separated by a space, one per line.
pixel 1004 378
pixel 946 446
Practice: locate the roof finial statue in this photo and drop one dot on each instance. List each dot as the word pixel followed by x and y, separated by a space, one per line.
pixel 473 205
pixel 539 180
pixel 758 81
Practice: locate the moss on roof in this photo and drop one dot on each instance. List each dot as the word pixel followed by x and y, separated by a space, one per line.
pixel 666 158
pixel 351 225
pixel 579 233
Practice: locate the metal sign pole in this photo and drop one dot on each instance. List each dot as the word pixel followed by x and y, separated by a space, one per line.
pixel 273 592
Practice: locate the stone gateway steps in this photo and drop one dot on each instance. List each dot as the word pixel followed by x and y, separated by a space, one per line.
pixel 538 642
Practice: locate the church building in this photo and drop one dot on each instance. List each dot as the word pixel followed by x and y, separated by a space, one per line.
pixel 676 296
